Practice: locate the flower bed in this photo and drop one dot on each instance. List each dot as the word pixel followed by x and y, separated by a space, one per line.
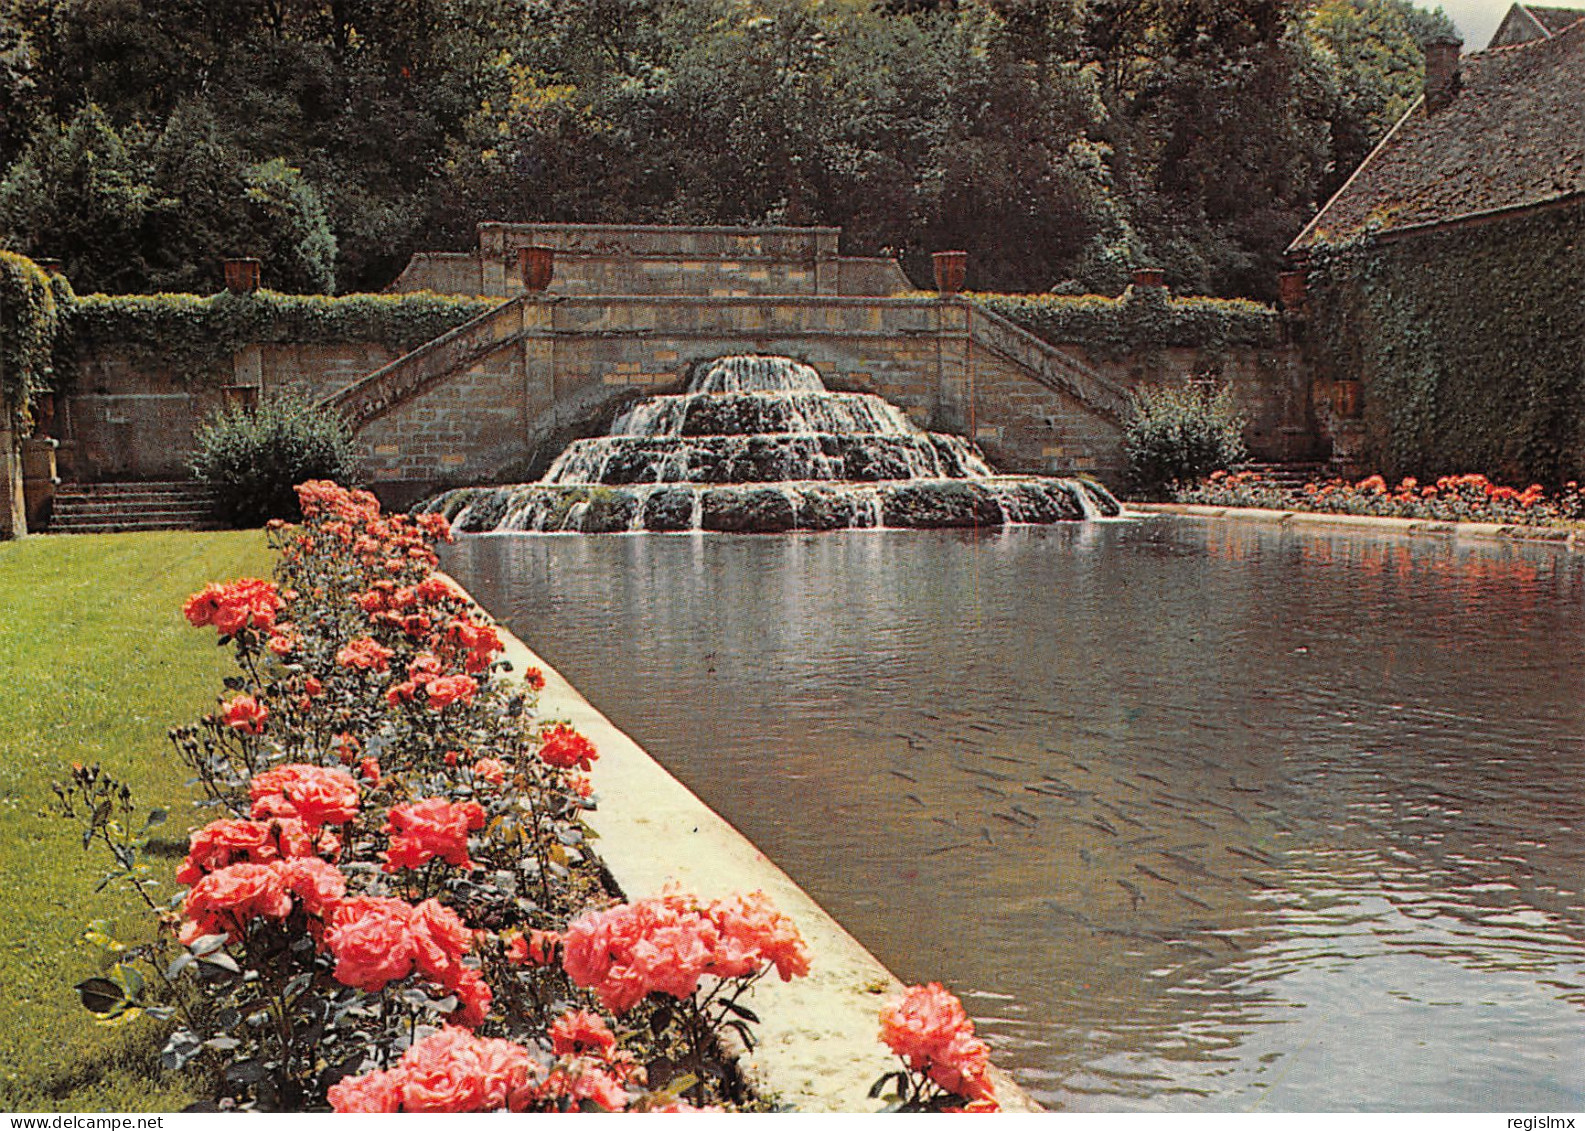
pixel 397 907
pixel 1452 498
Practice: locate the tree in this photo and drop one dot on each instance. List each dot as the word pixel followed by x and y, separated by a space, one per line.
pixel 1372 51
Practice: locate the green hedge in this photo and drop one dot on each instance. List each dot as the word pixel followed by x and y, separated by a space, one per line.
pixel 196 336
pixel 29 324
pixel 1469 344
pixel 1141 319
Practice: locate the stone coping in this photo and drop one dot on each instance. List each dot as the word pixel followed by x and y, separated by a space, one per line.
pixel 819 1049
pixel 910 301
pixel 1486 531
pixel 665 229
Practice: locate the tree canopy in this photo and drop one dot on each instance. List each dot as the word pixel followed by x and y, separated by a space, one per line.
pixel 1059 141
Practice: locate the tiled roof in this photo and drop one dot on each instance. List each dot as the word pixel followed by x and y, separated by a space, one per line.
pixel 1512 137
pixel 1525 22
pixel 1555 19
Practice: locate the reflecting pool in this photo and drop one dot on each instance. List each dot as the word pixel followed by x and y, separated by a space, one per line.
pixel 1193 816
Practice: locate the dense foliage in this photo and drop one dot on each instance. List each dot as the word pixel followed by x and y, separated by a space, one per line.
pixel 1448 384
pixel 1452 498
pixel 1180 433
pixel 30 320
pixel 252 458
pixel 1057 142
pixel 196 336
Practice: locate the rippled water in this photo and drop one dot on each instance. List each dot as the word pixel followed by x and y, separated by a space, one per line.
pixel 1194 817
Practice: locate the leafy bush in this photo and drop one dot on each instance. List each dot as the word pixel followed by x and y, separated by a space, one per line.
pixel 253 457
pixel 1180 433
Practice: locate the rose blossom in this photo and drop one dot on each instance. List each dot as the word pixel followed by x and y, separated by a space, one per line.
pixel 566 749
pixel 245 713
pixel 929 1029
pixel 431 828
pixel 318 795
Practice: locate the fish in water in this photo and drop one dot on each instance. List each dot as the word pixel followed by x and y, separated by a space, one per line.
pixel 1155 875
pixel 990 789
pixel 981 771
pixel 913 798
pixel 1188 865
pixel 1136 897
pixel 903 775
pixel 1257 857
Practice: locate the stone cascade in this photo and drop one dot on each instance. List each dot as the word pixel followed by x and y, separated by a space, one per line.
pixel 759 444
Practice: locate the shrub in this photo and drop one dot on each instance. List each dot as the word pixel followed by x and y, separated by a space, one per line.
pixel 252 457
pixel 1180 433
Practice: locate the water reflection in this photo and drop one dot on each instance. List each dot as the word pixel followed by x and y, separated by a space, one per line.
pixel 1194 816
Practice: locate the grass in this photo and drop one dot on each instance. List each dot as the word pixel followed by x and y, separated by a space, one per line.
pixel 96 663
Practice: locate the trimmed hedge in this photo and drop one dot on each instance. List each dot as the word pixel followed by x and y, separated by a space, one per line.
pixel 1139 319
pixel 196 335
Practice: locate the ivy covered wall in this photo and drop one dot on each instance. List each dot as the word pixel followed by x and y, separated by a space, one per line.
pixel 31 305
pixel 1469 343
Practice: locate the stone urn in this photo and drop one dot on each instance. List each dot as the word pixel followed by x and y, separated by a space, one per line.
pixel 951 268
pixel 536 264
pixel 242 275
pixel 1149 277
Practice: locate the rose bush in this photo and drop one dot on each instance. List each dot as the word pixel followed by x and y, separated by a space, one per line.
pixel 373 919
pixel 396 908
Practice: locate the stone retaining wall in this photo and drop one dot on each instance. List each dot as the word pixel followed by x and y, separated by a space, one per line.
pixel 128 419
pixel 1486 531
pixel 568 364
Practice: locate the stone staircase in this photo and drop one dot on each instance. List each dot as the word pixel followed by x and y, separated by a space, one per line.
pixel 102 508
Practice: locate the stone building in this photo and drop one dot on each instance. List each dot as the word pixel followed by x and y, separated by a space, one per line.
pixel 1445 276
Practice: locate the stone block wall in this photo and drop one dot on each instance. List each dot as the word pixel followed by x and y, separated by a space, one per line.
pixel 127 419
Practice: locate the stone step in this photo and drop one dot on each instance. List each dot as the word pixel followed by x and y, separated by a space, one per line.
pixel 88 503
pixel 83 508
pixel 139 487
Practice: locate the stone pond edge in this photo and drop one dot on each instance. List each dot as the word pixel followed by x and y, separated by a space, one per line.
pixel 818 1039
pixel 1485 531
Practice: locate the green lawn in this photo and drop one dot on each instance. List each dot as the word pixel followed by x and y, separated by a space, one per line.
pixel 96 663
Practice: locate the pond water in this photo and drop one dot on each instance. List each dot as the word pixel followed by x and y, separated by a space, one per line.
pixel 1192 816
